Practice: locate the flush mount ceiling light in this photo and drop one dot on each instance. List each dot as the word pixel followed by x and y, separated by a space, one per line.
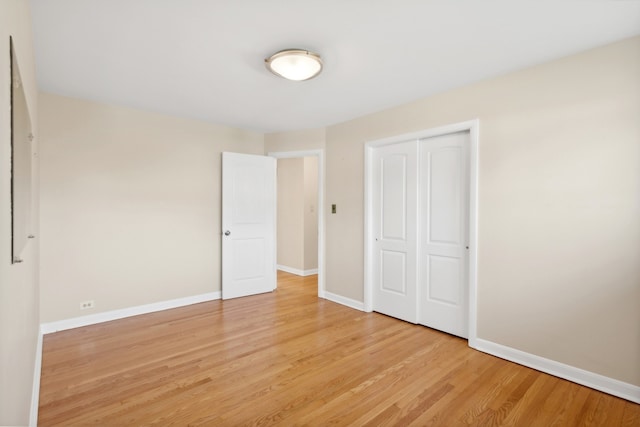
pixel 294 64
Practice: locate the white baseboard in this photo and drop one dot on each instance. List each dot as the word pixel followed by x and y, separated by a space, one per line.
pixel 296 271
pixel 92 319
pixel 358 305
pixel 35 390
pixel 589 379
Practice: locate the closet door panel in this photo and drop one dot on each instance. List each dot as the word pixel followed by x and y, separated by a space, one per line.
pixel 443 216
pixel 395 233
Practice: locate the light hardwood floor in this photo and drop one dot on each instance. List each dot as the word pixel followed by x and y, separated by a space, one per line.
pixel 289 358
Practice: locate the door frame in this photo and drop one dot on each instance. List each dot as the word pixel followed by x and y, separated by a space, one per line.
pixel 319 153
pixel 472 126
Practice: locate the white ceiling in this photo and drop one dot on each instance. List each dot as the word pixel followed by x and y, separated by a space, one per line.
pixel 204 58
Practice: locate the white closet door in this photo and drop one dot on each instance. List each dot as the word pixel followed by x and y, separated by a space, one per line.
pixel 444 221
pixel 395 234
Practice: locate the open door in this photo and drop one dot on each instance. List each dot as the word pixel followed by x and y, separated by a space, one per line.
pixel 248 224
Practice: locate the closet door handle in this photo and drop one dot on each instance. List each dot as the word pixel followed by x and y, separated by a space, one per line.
pixel 227 233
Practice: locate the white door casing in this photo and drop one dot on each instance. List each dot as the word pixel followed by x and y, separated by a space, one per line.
pixel 248 224
pixel 441 253
pixel 444 224
pixel 395 233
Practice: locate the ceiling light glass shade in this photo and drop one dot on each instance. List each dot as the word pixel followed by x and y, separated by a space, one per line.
pixel 294 64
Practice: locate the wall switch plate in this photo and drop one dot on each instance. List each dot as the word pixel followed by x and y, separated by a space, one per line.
pixel 87 304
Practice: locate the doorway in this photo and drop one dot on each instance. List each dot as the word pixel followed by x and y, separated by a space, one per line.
pixel 420 227
pixel 314 160
pixel 297 215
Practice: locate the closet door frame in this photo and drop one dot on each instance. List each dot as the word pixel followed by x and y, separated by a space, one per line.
pixel 472 127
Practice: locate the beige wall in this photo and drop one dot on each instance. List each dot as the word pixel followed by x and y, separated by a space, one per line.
pixel 559 205
pixel 290 213
pixel 310 139
pixel 130 205
pixel 310 213
pixel 19 312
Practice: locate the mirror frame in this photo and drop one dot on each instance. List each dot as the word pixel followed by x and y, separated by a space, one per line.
pixel 21 141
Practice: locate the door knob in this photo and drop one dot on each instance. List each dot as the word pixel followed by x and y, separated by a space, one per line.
pixel 226 233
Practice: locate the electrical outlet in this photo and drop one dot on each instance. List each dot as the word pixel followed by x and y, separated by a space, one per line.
pixel 87 304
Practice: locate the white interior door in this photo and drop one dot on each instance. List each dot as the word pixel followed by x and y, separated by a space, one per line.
pixel 444 233
pixel 395 234
pixel 248 224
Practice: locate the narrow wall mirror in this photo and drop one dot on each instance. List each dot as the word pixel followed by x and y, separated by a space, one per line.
pixel 21 163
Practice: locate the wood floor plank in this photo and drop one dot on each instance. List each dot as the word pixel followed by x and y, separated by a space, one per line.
pixel 289 358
